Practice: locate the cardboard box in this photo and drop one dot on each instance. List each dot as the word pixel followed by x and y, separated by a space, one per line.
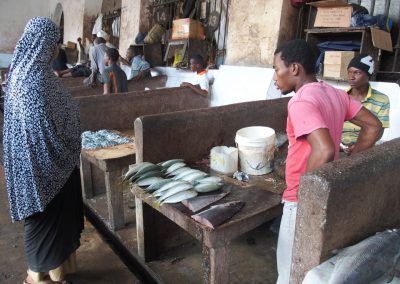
pixel 332 14
pixel 71 45
pixel 336 62
pixel 381 39
pixel 187 29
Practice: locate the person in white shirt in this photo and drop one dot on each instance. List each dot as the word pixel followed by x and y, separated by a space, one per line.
pixel 202 85
pixel 104 35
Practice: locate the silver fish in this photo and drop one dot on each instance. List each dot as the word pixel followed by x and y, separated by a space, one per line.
pixel 193 176
pixel 212 179
pixel 368 260
pixel 174 190
pixel 185 173
pixel 143 170
pixel 169 163
pixel 207 187
pixel 175 167
pixel 155 173
pixel 178 171
pixel 158 185
pixel 167 186
pixel 133 169
pixel 149 181
pixel 180 196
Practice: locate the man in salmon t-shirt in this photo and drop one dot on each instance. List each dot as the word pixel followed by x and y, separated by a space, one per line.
pixel 316 114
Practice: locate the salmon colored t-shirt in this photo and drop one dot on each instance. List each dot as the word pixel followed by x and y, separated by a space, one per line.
pixel 314 106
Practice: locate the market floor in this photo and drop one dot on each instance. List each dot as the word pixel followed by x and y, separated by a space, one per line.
pixel 97 263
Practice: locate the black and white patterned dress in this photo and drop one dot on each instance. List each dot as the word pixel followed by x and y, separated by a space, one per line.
pixel 41 124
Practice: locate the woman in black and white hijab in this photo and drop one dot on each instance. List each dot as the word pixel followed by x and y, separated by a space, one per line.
pixel 41 154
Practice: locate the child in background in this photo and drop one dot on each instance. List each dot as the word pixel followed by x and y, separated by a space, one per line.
pixel 202 85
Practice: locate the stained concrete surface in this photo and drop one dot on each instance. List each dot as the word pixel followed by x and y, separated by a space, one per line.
pixel 97 262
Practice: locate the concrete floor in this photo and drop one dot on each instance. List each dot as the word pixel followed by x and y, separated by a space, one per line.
pixel 97 262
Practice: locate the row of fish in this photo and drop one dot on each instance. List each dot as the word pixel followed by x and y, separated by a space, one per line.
pixel 171 181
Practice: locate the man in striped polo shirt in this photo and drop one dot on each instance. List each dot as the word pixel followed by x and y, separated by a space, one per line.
pixel 359 71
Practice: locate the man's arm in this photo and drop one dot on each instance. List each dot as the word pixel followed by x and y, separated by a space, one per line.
pixel 195 88
pixel 322 148
pixel 106 83
pixel 124 61
pixel 80 44
pixel 371 130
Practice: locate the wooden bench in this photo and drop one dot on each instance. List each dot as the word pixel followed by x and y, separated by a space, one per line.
pixel 150 83
pixel 118 112
pixel 215 242
pixel 111 161
pixel 191 134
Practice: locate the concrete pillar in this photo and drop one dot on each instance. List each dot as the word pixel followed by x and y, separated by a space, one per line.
pixel 255 29
pixel 130 18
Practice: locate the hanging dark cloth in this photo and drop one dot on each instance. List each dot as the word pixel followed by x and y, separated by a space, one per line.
pixel 187 8
pixel 53 235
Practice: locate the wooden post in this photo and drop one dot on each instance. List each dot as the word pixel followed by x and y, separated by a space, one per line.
pixel 86 178
pixel 216 265
pixel 115 200
pixel 146 229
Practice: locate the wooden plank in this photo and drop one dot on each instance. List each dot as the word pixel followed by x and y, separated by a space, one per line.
pixel 336 30
pixel 253 214
pixel 86 178
pixel 115 201
pixel 112 158
pixel 146 231
pixel 216 265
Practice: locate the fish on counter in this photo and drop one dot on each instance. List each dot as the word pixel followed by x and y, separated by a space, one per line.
pixel 180 196
pixel 199 202
pixel 138 170
pixel 182 183
pixel 218 214
pixel 368 260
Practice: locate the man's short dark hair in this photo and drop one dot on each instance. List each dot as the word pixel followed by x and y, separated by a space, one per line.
pixel 136 49
pixel 113 54
pixel 99 40
pixel 298 51
pixel 199 60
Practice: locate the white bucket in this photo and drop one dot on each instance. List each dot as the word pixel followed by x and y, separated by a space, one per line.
pixel 224 159
pixel 256 149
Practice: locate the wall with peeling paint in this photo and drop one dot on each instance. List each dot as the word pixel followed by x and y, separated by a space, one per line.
pixel 255 28
pixel 130 19
pixel 73 17
pixel 14 15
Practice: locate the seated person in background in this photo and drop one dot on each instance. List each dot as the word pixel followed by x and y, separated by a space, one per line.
pixel 83 58
pixel 97 65
pixel 114 78
pixel 89 47
pixel 106 37
pixel 202 85
pixel 60 62
pixel 359 71
pixel 139 67
pixel 80 69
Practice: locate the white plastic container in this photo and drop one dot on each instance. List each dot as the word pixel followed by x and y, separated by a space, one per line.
pixel 224 159
pixel 256 146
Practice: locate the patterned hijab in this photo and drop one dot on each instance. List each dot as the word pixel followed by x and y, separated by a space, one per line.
pixel 41 124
